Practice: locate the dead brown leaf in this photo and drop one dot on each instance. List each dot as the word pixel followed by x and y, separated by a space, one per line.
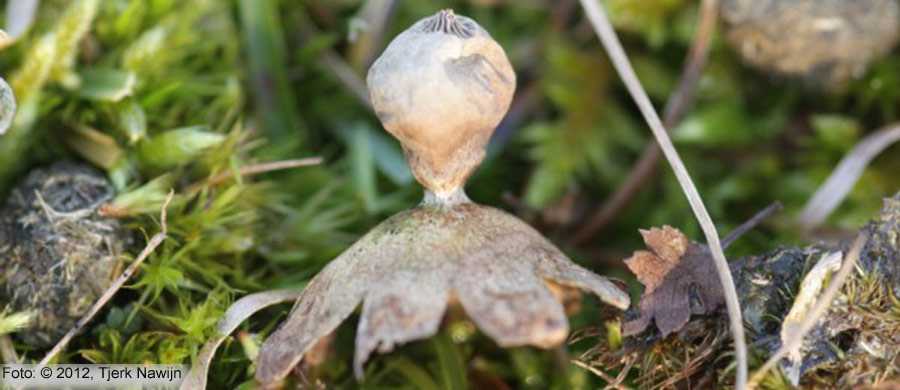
pixel 674 271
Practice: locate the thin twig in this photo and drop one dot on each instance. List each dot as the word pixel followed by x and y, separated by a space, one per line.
pixel 750 224
pixel 108 294
pixel 675 109
pixel 845 175
pixel 815 314
pixel 610 41
pixel 257 169
pixel 608 378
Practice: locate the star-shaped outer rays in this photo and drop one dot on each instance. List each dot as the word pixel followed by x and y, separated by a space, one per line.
pixel 407 269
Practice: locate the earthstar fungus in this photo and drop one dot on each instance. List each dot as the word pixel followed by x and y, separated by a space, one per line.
pixel 440 88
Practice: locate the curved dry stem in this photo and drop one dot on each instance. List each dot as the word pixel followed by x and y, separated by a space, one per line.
pixel 374 19
pixel 751 223
pixel 845 175
pixel 815 314
pixel 611 382
pixel 20 15
pixel 235 315
pixel 256 169
pixel 610 41
pixel 675 109
pixel 7 105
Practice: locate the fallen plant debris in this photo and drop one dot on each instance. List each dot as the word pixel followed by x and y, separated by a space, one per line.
pixel 237 313
pixel 793 330
pixel 805 299
pixel 255 170
pixel 406 269
pixel 675 270
pixel 678 274
pixel 855 343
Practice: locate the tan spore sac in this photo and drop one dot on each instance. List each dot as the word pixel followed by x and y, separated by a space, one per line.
pixel 441 87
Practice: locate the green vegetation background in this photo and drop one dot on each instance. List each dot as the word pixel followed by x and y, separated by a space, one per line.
pixel 168 93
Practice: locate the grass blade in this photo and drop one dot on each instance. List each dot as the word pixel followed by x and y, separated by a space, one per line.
pixel 268 76
pixel 841 181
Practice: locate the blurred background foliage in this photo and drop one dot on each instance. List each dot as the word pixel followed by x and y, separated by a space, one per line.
pixel 170 93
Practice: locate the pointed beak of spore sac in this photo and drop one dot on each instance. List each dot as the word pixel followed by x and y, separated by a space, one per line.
pixel 446 22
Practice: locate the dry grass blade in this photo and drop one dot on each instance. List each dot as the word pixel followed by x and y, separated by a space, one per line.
pixel 20 16
pixel 676 107
pixel 108 294
pixel 814 314
pixel 610 41
pixel 7 105
pixel 612 382
pixel 842 179
pixel 256 170
pixel 751 223
pixel 236 314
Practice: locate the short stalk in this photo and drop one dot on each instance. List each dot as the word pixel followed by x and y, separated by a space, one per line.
pixel 445 198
